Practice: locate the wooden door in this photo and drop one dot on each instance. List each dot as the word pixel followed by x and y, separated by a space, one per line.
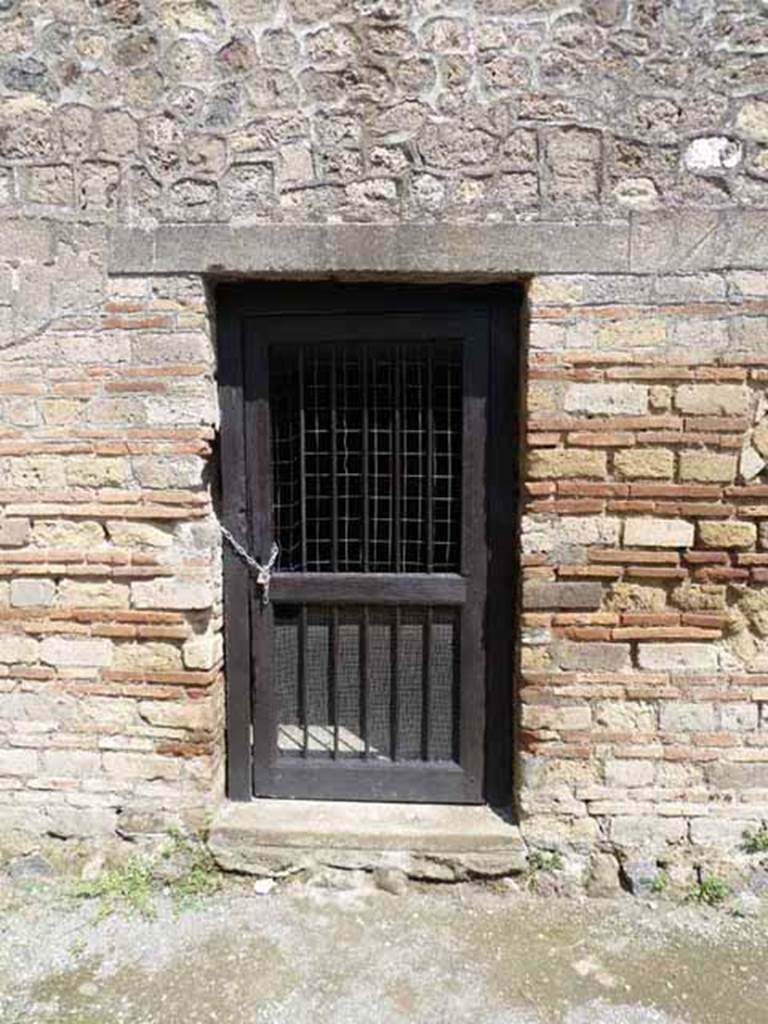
pixel 361 444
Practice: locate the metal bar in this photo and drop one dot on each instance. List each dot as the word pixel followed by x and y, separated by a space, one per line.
pixel 426 680
pixel 364 682
pixel 366 456
pixel 394 690
pixel 333 699
pixel 302 669
pixel 334 466
pixel 430 467
pixel 396 459
pixel 303 458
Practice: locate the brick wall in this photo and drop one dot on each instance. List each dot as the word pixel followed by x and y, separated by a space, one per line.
pixel 614 154
pixel 645 546
pixel 111 700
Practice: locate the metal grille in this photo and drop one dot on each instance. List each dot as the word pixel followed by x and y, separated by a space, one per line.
pixel 367 456
pixel 367 682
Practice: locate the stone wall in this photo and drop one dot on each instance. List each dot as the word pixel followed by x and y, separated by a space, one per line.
pixel 615 153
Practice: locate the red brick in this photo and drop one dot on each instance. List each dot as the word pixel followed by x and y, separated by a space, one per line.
pixel 705 619
pixel 720 574
pixel 567 507
pixel 718 424
pixel 588 633
pixel 752 491
pixel 589 489
pixel 665 633
pixel 707 557
pixel 603 571
pixel 621 556
pixel 539 487
pixel 650 619
pixel 649 572
pixel 543 440
pixel 597 440
pixel 675 491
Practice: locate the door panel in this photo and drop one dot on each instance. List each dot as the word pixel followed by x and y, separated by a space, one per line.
pixel 362 446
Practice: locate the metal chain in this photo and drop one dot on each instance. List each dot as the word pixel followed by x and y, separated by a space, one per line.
pixel 263 572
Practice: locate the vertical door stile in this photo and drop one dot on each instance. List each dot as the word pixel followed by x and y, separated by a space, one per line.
pixel 429 469
pixel 334 462
pixel 302 673
pixel 394 691
pixel 471 662
pixel 396 457
pixel 333 681
pixel 426 680
pixel 364 682
pixel 366 454
pixel 303 457
pixel 258 443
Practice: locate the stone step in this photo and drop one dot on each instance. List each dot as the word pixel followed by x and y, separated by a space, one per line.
pixel 428 841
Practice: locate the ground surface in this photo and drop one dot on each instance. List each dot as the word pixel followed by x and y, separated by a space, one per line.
pixel 450 954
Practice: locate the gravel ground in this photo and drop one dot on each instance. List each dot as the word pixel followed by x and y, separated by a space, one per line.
pixel 446 954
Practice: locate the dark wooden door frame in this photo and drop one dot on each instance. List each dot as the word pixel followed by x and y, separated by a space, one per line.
pixel 235 304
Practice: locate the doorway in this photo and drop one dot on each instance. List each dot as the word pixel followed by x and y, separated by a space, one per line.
pixel 368 463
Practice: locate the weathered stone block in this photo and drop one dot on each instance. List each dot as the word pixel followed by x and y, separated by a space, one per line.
pixel 172 594
pixel 687 717
pixel 129 534
pixel 646 831
pixel 719 534
pixel 18 762
pixel 147 657
pixel 63 533
pixel 543 716
pixel 594 657
pixel 14 648
pixel 707 467
pixel 611 399
pixel 194 715
pixel 712 399
pixel 644 464
pixel 629 773
pixel 566 462
pixel 28 593
pixel 14 533
pixel 648 532
pixel 203 652
pixel 94 594
pixel 66 653
pixel 739 716
pixel 74 763
pixel 542 594
pixel 677 657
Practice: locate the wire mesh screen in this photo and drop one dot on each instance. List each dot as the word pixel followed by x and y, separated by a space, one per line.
pixel 367 456
pixel 367 682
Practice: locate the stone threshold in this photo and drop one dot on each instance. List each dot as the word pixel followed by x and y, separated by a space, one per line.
pixel 430 842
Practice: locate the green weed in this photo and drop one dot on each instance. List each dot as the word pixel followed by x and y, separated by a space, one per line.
pixel 545 860
pixel 660 884
pixel 131 886
pixel 710 890
pixel 183 870
pixel 756 842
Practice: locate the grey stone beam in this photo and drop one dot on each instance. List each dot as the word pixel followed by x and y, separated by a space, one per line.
pixel 695 240
pixel 663 242
pixel 467 250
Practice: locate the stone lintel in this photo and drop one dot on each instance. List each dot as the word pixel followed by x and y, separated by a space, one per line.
pixel 466 251
pixel 684 241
